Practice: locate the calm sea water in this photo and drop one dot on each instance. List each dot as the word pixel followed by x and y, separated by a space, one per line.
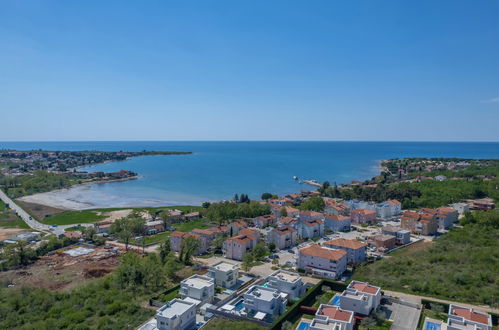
pixel 218 170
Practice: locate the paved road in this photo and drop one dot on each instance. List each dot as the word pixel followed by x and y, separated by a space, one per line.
pixel 23 214
pixel 417 299
pixel 30 221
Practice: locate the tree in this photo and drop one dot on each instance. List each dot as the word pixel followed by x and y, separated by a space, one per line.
pixel 19 253
pixel 171 266
pixel 218 243
pixel 287 325
pixel 247 262
pixel 189 246
pixel 315 203
pixel 266 196
pixel 164 250
pixel 283 212
pixel 206 205
pixel 236 198
pixel 89 233
pixel 126 228
pixel 271 246
pixel 259 251
pixel 166 219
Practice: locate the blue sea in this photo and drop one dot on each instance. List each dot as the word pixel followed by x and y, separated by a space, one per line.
pixel 218 170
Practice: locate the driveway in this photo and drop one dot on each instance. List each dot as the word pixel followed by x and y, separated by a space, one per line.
pixel 404 315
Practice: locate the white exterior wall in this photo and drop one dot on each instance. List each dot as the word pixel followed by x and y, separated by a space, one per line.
pixel 204 293
pixel 338 225
pixel 274 306
pixel 293 289
pixel 337 266
pixel 185 320
pixel 225 279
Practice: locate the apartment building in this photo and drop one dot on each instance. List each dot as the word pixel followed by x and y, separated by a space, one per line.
pixel 356 251
pixel 419 223
pixel 337 222
pixel 361 216
pixel 384 242
pixel 236 247
pixel 284 237
pixel 310 229
pixel 402 236
pixel 264 220
pixel 322 261
pixel 177 237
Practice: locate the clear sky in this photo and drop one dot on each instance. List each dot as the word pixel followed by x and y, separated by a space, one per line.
pixel 249 70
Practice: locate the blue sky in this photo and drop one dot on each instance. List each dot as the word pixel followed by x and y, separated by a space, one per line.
pixel 249 70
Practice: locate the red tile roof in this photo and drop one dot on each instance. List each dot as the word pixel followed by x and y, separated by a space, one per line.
pixel 284 230
pixel 470 315
pixel 364 287
pixel 335 313
pixel 337 217
pixel 317 251
pixel 364 211
pixel 346 243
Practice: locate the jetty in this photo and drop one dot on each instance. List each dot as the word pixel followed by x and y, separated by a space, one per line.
pixel 312 183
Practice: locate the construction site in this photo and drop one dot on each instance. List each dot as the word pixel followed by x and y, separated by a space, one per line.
pixel 65 268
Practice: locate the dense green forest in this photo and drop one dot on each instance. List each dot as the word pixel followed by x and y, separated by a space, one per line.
pixel 462 265
pixel 429 193
pixel 39 181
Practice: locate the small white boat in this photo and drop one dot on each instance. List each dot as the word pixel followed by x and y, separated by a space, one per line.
pixel 295 177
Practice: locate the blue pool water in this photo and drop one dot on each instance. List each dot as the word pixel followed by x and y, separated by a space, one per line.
pixel 239 305
pixel 432 326
pixel 303 326
pixel 335 301
pixel 265 285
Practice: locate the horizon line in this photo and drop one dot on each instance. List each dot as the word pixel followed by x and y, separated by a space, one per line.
pixel 208 140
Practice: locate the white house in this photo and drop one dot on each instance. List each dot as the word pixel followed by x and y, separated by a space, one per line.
pixel 360 298
pixel 224 273
pixel 356 251
pixel 264 303
pixel 198 287
pixel 177 314
pixel 322 261
pixel 332 317
pixel 287 282
pixel 466 318
pixel 460 207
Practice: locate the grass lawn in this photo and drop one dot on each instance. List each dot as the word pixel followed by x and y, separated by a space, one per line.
pixel 156 238
pixel 170 296
pixel 219 323
pixel 386 325
pixel 74 217
pixel 75 228
pixel 91 216
pixel 323 298
pixel 8 219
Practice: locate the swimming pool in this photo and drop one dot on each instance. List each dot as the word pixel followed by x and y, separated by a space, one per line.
pixel 432 326
pixel 265 285
pixel 335 301
pixel 239 305
pixel 303 326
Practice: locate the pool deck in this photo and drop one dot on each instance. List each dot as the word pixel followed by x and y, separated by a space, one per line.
pixel 442 325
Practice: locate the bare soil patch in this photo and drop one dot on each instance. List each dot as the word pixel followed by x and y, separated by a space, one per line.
pixel 7 232
pixel 61 272
pixel 39 211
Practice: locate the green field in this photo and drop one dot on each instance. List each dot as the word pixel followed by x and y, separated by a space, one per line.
pixel 462 265
pixel 91 216
pixel 8 219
